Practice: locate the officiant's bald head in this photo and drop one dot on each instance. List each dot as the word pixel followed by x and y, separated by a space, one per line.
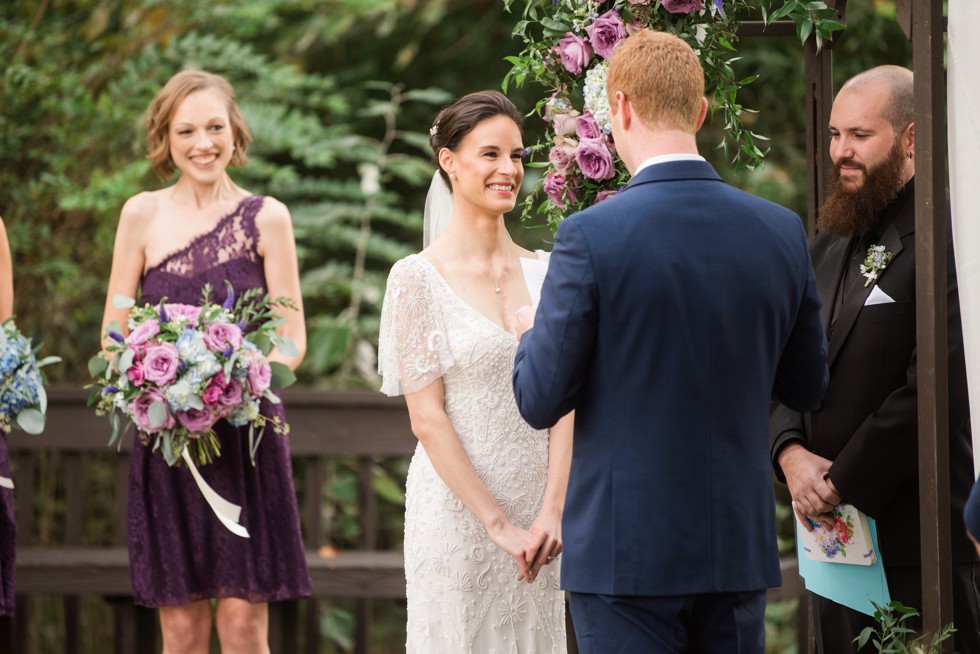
pixel 899 109
pixel 662 78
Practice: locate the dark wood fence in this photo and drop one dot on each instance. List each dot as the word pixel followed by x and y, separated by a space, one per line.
pixel 324 425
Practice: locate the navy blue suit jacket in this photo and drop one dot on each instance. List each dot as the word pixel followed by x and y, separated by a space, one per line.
pixel 671 315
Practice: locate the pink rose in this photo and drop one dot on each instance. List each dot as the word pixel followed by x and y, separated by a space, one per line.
pixel 604 195
pixel 143 332
pixel 564 122
pixel 595 160
pixel 682 6
pixel 192 313
pixel 575 52
pixel 211 394
pixel 160 363
pixel 136 374
pixel 198 421
pixel 140 410
pixel 259 376
pixel 563 163
pixel 560 189
pixel 606 33
pixel 221 335
pixel 587 128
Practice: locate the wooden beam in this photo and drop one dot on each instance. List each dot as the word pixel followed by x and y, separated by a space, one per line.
pixel 930 268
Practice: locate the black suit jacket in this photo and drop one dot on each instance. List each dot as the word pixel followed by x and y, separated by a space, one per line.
pixel 867 422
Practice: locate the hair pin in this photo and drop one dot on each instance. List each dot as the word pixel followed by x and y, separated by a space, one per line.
pixel 434 129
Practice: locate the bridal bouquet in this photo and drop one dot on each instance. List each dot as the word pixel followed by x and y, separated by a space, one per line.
pixel 182 368
pixel 23 401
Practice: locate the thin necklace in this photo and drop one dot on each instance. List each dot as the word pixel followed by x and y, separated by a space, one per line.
pixel 496 284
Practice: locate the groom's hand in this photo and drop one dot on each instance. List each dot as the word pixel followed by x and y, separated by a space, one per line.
pixel 525 320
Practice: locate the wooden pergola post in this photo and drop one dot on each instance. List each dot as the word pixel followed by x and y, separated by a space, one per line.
pixel 930 275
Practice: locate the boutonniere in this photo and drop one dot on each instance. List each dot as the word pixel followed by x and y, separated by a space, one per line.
pixel 876 261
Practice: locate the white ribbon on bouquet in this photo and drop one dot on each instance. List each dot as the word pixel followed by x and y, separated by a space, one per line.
pixel 6 482
pixel 227 512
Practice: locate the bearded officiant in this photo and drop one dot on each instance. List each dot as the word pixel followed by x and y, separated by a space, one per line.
pixel 860 445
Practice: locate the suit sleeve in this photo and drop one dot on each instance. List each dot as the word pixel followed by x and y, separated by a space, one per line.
pixel 885 448
pixel 785 426
pixel 553 357
pixel 802 375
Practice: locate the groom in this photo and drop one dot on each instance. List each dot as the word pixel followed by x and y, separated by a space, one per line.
pixel 671 315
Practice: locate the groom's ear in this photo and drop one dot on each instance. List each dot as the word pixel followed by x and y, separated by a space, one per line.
pixel 623 109
pixel 703 114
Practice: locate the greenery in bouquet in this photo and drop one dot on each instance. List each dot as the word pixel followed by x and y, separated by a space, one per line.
pixel 23 401
pixel 182 368
pixel 568 44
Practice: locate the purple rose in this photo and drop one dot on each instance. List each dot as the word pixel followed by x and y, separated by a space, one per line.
pixel 595 160
pixel 140 410
pixel 565 122
pixel 192 313
pixel 197 421
pixel 560 189
pixel 606 33
pixel 160 363
pixel 587 128
pixel 259 376
pixel 682 6
pixel 230 398
pixel 136 374
pixel 575 52
pixel 563 163
pixel 605 195
pixel 143 332
pixel 221 335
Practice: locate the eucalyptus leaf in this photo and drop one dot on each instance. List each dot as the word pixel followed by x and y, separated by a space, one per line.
pixel 126 360
pixel 282 376
pixel 286 346
pixel 97 365
pixel 30 420
pixel 123 302
pixel 157 413
pixel 42 399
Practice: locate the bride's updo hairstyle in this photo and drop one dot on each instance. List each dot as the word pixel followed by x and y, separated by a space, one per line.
pixel 458 119
pixel 161 111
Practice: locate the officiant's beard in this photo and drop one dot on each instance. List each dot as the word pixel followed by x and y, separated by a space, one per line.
pixel 855 212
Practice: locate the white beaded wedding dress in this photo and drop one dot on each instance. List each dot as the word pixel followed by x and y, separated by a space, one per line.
pixel 463 593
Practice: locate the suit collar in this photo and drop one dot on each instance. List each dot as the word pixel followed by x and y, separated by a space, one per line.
pixel 674 171
pixel 897 222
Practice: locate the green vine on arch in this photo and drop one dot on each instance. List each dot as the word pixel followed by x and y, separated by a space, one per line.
pixel 567 44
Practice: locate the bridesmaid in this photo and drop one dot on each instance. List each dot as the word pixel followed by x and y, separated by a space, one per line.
pixel 169 243
pixel 7 525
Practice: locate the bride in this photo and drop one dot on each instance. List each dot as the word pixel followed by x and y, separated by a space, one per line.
pixel 485 491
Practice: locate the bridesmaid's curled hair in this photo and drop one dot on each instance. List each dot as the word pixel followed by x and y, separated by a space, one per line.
pixel 161 111
pixel 460 118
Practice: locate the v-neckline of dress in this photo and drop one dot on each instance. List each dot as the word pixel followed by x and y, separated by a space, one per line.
pixel 199 237
pixel 466 304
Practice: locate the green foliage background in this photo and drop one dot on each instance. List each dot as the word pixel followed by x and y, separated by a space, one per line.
pixel 337 92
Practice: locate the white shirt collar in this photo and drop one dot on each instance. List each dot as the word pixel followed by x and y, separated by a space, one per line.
pixel 665 158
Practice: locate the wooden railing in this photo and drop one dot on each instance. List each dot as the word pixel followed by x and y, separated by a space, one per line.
pixel 325 425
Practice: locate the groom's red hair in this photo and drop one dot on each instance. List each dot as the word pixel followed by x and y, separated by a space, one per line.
pixel 662 78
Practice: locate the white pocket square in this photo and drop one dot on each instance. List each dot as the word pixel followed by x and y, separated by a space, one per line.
pixel 878 296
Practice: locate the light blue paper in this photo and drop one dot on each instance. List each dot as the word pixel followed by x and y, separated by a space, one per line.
pixel 854 586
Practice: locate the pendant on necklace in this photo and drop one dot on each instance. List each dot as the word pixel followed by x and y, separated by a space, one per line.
pixel 496 289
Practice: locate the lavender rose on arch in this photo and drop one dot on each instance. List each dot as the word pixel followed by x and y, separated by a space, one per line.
pixel 683 6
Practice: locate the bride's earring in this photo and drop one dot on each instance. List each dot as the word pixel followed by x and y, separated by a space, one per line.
pixel 452 176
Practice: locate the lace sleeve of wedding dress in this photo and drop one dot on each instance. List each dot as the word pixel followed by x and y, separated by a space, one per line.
pixel 438 210
pixel 413 350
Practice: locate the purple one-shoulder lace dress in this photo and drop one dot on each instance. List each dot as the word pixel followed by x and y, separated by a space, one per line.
pixel 179 552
